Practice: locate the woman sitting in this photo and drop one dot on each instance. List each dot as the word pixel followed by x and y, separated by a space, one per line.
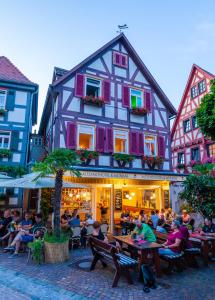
pixel 97 233
pixel 174 240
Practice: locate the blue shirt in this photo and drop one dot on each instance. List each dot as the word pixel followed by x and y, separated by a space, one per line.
pixel 154 219
pixel 26 222
pixel 75 222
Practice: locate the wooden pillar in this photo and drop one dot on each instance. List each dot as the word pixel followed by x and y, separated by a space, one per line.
pixel 39 200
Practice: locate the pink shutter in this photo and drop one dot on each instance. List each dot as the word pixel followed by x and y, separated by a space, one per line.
pixel 79 85
pixel 141 143
pixel 100 139
pixel 117 58
pixel 133 142
pixel 109 140
pixel 124 61
pixel 161 146
pixel 106 90
pixel 125 96
pixel 71 135
pixel 148 101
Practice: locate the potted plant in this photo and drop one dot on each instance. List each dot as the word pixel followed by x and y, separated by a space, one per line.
pixel 56 245
pixel 123 159
pixel 180 168
pixel 5 153
pixel 37 250
pixel 91 100
pixel 86 156
pixel 141 111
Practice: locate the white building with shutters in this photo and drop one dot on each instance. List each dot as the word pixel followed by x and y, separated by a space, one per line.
pixel 112 112
pixel 18 113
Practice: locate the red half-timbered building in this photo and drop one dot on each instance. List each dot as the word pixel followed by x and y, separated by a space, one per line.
pixel 189 146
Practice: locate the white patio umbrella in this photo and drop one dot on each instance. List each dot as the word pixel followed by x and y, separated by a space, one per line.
pixel 35 181
pixel 4 177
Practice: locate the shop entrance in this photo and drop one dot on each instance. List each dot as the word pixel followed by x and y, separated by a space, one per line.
pixel 103 204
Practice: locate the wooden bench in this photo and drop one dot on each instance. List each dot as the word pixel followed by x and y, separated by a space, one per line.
pixel 108 254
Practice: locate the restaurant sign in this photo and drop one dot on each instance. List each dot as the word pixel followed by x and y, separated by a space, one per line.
pixel 95 174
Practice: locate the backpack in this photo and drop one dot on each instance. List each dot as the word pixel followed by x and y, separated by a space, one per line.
pixel 148 278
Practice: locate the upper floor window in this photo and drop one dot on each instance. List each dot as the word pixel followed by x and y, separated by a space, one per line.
pixel 136 98
pixel 194 122
pixel 150 145
pixel 194 91
pixel 5 138
pixel 187 126
pixel 202 86
pixel 195 154
pixel 120 59
pixel 3 94
pixel 93 87
pixel 211 150
pixel 181 158
pixel 120 141
pixel 86 137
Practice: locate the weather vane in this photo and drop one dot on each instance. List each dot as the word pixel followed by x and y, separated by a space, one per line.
pixel 122 27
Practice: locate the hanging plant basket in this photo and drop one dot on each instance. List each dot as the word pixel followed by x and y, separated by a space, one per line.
pixel 139 111
pixel 123 159
pixel 96 101
pixel 86 156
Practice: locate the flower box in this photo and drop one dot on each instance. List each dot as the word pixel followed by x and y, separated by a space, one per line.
pixel 153 161
pixel 139 111
pixel 5 153
pixel 123 159
pixel 86 156
pixel 96 101
pixel 2 111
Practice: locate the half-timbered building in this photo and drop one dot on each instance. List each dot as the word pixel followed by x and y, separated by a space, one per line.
pixel 189 146
pixel 110 109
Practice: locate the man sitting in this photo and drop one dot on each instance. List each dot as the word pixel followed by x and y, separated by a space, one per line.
pixel 208 228
pixel 26 236
pixel 145 232
pixel 12 227
pixel 5 222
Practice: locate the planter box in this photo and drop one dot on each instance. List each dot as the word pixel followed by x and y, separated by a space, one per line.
pixel 138 112
pixel 56 252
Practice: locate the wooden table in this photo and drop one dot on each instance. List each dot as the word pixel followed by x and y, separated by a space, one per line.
pixel 144 249
pixel 204 240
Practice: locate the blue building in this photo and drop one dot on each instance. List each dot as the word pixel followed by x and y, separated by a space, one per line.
pixel 18 113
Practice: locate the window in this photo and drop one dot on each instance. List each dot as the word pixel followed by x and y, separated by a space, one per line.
pixel 4 140
pixel 202 86
pixel 120 59
pixel 195 154
pixel 86 137
pixel 93 87
pixel 194 91
pixel 150 145
pixel 181 158
pixel 120 141
pixel 211 150
pixel 187 125
pixel 136 98
pixel 3 94
pixel 194 122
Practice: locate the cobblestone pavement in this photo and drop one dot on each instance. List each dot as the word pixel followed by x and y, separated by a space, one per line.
pixel 72 280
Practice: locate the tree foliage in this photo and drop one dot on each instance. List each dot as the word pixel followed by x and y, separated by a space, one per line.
pixel 199 193
pixel 206 113
pixel 58 162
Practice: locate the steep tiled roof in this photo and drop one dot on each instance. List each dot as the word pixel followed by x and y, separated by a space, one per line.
pixel 11 73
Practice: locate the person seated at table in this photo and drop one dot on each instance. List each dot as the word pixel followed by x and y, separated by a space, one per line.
pixel 7 218
pixel 169 215
pixel 160 226
pixel 26 223
pixel 208 228
pixel 154 218
pixel 145 232
pixel 185 216
pixel 174 241
pixel 65 218
pixel 75 221
pixel 184 232
pixel 191 225
pixel 142 216
pixel 124 221
pixel 89 220
pixel 97 233
pixel 12 227
pixel 162 214
pixel 26 236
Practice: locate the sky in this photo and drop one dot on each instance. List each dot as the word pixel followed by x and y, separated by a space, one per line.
pixel 168 35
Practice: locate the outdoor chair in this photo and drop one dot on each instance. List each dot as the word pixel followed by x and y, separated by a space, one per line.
pixel 76 236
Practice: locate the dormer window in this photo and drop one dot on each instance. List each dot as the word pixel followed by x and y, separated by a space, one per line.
pixel 93 87
pixel 202 86
pixel 3 94
pixel 120 60
pixel 194 91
